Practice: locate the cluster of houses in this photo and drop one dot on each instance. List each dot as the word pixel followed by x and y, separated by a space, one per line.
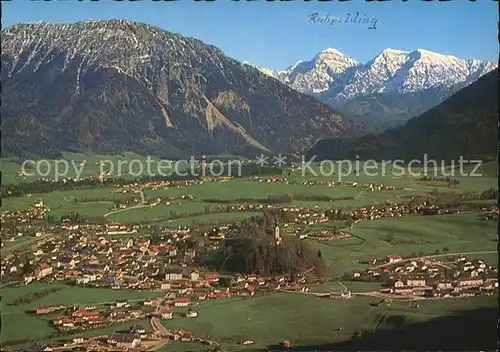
pixel 117 229
pixel 119 263
pixel 134 339
pixel 196 290
pixel 83 318
pixel 125 263
pixel 369 186
pixel 456 276
pixel 326 235
pixel 388 210
pixel 124 203
pixel 36 211
pixel 252 282
pixel 166 184
pixel 307 216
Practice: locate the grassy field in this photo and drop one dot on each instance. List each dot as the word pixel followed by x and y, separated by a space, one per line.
pixel 411 235
pixel 64 202
pixel 15 323
pixel 389 175
pixel 177 346
pixel 385 174
pixel 304 319
pixel 241 188
pixel 121 166
pixel 355 286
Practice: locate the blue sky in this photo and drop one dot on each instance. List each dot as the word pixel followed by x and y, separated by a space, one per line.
pixel 277 34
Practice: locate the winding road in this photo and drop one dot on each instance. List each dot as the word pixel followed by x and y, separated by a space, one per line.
pixel 141 205
pixel 162 331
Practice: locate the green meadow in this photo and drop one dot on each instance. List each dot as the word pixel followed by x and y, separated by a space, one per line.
pixel 389 175
pixel 305 319
pixel 242 188
pixel 369 172
pixel 48 168
pixel 411 235
pixel 65 202
pixel 159 212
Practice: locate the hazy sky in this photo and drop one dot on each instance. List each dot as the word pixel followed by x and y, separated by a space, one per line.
pixel 278 34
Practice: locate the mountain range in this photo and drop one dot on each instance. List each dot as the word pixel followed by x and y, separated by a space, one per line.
pixel 388 90
pixel 113 86
pixel 464 125
pixel 108 87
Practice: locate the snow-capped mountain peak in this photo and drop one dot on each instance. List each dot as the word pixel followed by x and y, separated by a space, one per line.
pixel 335 77
pixel 316 75
pixel 333 60
pixel 386 63
pixel 390 51
pixel 331 51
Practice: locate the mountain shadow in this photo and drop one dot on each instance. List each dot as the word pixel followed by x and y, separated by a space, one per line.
pixel 466 124
pixel 473 330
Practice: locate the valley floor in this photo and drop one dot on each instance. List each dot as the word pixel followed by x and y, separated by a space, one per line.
pixel 307 321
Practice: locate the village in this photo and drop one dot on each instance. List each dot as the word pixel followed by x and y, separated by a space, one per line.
pixel 90 247
pixel 15 222
pixel 146 257
pixel 455 276
pixel 368 186
pixel 412 279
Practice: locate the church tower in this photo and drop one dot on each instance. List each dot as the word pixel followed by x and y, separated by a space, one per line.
pixel 277 234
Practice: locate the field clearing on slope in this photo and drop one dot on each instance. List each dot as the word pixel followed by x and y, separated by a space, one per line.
pixel 410 236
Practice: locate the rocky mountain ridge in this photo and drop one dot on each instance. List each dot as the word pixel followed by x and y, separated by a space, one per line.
pixel 463 126
pixel 114 86
pixel 335 78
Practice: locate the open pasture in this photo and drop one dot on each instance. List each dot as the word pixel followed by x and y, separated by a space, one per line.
pixel 79 164
pixel 242 188
pixel 393 175
pixel 94 201
pixel 412 235
pixel 304 319
pixel 159 212
pixel 304 195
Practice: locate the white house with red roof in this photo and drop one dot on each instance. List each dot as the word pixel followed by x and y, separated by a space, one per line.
pixel 394 258
pixel 166 313
pixel 181 301
pixel 44 269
